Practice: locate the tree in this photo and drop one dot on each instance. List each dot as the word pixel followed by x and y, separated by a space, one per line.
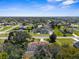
pixel 18 37
pixel 24 23
pixel 65 30
pixel 3 55
pixel 16 44
pixel 46 51
pixel 59 26
pixel 11 34
pixel 52 24
pixel 52 38
pixel 68 53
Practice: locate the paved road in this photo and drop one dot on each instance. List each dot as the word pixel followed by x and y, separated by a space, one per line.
pixel 45 37
pixel 75 37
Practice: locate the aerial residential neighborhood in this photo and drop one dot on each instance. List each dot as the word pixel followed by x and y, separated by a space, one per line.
pixel 39 29
pixel 31 32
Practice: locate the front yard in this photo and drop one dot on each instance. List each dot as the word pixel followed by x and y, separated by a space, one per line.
pixel 64 41
pixel 5 28
pixel 1 41
pixel 76 32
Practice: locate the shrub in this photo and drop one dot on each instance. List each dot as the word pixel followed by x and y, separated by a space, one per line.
pixel 46 51
pixel 3 55
pixel 16 44
pixel 53 38
pixel 67 53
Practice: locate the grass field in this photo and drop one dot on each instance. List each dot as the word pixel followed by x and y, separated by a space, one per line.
pixel 76 32
pixel 57 32
pixel 6 28
pixel 4 35
pixel 65 41
pixel 1 41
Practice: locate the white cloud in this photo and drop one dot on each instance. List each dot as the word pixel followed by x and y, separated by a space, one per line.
pixel 64 2
pixel 68 2
pixel 47 7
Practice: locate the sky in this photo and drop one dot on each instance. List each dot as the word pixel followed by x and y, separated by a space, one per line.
pixel 39 7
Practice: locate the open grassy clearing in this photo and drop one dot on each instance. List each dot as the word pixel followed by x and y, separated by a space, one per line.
pixel 65 41
pixel 57 32
pixel 76 32
pixel 5 28
pixel 4 35
pixel 69 35
pixel 1 41
pixel 16 28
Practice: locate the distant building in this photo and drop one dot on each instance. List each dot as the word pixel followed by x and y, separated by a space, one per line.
pixel 42 30
pixel 74 25
pixel 22 27
pixel 39 26
pixel 1 23
pixel 6 24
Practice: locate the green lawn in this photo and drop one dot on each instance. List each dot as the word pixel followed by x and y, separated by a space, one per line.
pixel 5 28
pixel 4 35
pixel 1 41
pixel 65 41
pixel 57 32
pixel 76 32
pixel 16 28
pixel 69 35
